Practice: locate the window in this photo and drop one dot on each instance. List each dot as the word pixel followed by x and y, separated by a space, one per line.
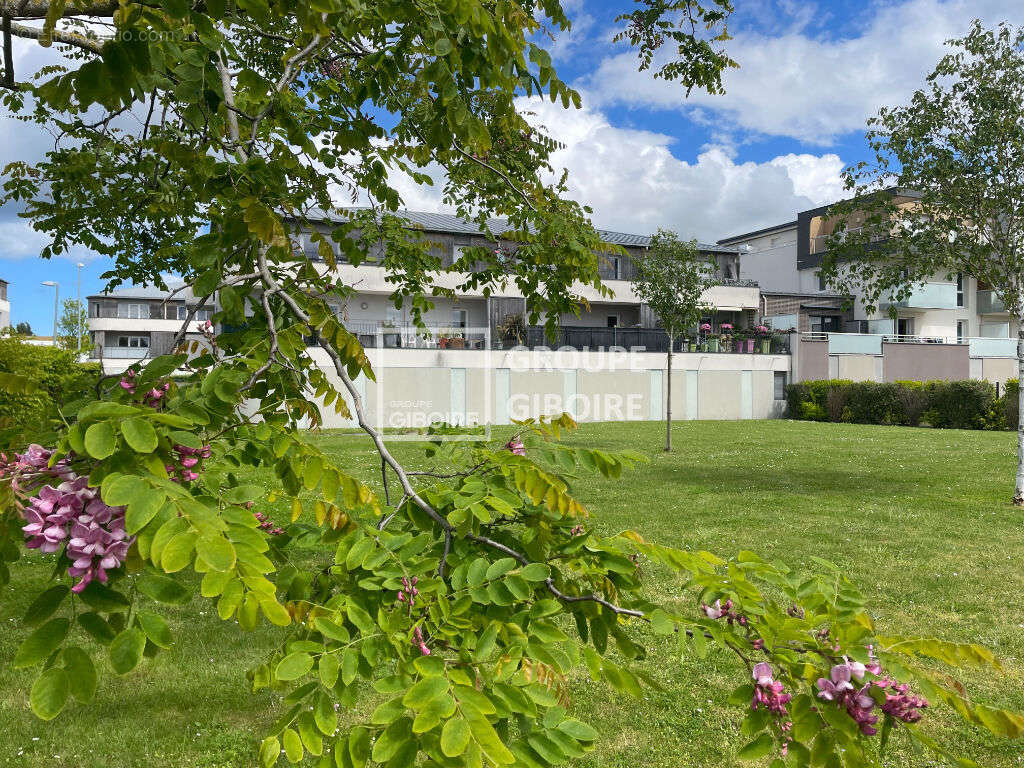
pixel 182 312
pixel 132 311
pixel 613 321
pixel 825 323
pixel 961 295
pixel 202 314
pixel 822 285
pixel 140 342
pixel 460 318
pixel 961 331
pixel 905 326
pixel 780 385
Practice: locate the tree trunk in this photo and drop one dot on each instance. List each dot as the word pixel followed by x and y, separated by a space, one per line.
pixel 668 398
pixel 1018 494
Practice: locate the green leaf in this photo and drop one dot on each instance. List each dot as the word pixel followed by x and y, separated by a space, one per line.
pixel 139 434
pixel 97 627
pixel 579 731
pixel 242 494
pixel 102 598
pixel 359 746
pixel 270 751
pixel 126 650
pixel 38 646
pixel 535 572
pixel 294 665
pixel 500 568
pixel 49 693
pixel 156 629
pixel 425 691
pixel 143 508
pixel 99 440
pixel 178 552
pixel 455 737
pixel 442 46
pixel 216 551
pixel 327 669
pixel 759 747
pixel 44 606
pixel 292 745
pixel 81 673
pixel 163 589
pixel 489 741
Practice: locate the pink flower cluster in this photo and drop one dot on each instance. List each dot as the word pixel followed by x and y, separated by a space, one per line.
pixel 35 460
pixel 72 515
pixel 418 636
pixel 151 398
pixel 858 702
pixel 407 594
pixel 705 327
pixel 516 446
pixel 724 610
pixel 267 525
pixel 768 691
pixel 187 459
pixel 900 703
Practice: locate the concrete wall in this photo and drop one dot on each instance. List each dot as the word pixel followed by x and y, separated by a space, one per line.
pixel 812 360
pixel 417 387
pixel 924 362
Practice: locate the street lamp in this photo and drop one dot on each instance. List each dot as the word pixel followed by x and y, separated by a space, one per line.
pixel 79 308
pixel 56 295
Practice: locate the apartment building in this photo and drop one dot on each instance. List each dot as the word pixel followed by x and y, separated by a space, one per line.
pixel 129 324
pixel 786 260
pixel 616 321
pixel 480 364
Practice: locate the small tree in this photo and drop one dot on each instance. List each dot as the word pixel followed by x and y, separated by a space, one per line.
pixel 945 193
pixel 672 278
pixel 71 333
pixel 23 329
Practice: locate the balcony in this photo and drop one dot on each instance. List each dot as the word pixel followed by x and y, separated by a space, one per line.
pixel 929 296
pixel 373 335
pixel 989 303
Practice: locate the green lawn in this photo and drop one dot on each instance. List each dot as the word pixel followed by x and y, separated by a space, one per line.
pixel 919 518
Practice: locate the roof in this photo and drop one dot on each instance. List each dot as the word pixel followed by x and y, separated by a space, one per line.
pixel 804 294
pixel 146 292
pixel 445 222
pixel 758 232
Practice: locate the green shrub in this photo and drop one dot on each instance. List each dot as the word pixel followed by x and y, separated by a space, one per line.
pixel 57 378
pixel 1010 404
pixel 960 404
pixel 951 404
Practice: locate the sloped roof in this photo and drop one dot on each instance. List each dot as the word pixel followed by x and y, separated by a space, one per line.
pixel 444 222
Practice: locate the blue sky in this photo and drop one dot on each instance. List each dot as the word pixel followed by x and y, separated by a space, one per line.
pixel 643 156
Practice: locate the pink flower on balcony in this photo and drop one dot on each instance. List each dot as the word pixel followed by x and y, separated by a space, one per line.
pixel 705 327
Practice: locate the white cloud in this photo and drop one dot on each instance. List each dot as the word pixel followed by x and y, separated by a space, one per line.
pixel 810 85
pixel 634 183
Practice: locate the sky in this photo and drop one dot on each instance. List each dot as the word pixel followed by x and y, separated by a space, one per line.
pixel 639 152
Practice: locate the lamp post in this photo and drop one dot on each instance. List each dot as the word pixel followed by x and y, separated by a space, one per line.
pixel 78 309
pixel 56 299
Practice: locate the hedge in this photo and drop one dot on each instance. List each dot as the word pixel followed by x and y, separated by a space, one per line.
pixel 965 404
pixel 55 378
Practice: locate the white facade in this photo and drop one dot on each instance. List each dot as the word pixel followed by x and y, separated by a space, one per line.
pixel 5 306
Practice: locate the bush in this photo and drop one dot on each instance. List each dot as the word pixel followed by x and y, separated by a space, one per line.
pixel 1010 404
pixel 57 378
pixel 951 404
pixel 960 404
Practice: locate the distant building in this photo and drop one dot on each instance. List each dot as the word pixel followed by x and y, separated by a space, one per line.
pixel 5 306
pixel 133 323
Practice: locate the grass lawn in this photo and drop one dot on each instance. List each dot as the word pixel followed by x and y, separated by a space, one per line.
pixel 919 518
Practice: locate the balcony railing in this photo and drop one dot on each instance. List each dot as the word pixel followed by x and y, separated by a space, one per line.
pixel 930 296
pixel 989 303
pixel 871 343
pixel 373 335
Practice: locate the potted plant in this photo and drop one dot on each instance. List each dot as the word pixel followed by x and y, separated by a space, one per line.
pixel 764 339
pixel 705 345
pixel 513 330
pixel 727 337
